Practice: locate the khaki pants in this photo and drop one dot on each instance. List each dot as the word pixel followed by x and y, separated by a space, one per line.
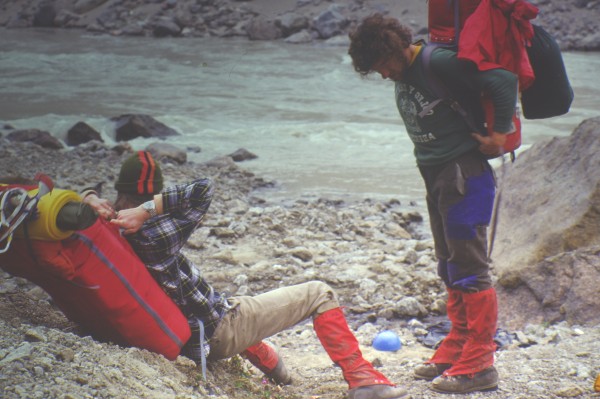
pixel 254 318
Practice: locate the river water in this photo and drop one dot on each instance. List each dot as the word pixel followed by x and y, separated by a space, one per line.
pixel 318 128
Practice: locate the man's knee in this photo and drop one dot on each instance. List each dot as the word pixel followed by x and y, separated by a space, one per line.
pixel 324 294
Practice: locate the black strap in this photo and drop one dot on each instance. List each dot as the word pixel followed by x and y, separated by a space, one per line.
pixel 456 21
pixel 441 90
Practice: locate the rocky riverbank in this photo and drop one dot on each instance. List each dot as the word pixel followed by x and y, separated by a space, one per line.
pixel 574 23
pixel 373 254
pixel 377 255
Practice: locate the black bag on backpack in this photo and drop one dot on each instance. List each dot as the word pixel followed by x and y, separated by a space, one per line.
pixel 551 93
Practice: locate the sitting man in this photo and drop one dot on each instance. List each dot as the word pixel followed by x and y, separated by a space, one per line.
pixel 158 223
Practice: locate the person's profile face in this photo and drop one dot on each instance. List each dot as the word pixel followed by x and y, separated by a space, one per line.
pixel 391 68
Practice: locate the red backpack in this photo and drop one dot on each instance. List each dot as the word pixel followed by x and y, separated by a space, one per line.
pixel 97 280
pixel 513 139
pixel 447 17
pixel 549 95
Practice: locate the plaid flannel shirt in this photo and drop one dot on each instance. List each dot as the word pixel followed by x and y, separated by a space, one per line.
pixel 158 244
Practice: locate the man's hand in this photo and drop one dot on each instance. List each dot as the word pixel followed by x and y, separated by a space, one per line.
pixel 131 220
pixel 101 206
pixel 491 145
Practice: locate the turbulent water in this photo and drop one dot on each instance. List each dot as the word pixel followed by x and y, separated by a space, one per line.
pixel 317 126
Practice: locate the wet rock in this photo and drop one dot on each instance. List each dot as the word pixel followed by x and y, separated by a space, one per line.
pixel 330 23
pixel 129 127
pixel 304 36
pixel 242 155
pixel 260 28
pixel 81 133
pixel 40 137
pixel 164 27
pixel 291 23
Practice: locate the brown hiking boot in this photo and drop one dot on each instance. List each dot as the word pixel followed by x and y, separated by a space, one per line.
pixel 485 380
pixel 376 392
pixel 429 371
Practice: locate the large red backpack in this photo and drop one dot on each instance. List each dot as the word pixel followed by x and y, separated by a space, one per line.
pixel 97 280
pixel 447 17
pixel 545 88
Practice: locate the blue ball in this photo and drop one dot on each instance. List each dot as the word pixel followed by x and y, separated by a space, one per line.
pixel 387 341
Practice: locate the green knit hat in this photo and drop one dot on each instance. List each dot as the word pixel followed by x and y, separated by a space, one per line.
pixel 140 175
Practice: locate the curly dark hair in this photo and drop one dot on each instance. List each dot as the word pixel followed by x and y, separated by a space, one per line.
pixel 376 39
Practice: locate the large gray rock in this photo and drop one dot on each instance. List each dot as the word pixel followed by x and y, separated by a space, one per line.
pixel 167 152
pixel 131 126
pixel 81 133
pixel 261 28
pixel 36 136
pixel 547 239
pixel 330 22
pixel 291 23
pixel 164 27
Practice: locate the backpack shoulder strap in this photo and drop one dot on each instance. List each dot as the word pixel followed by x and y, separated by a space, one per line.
pixel 440 89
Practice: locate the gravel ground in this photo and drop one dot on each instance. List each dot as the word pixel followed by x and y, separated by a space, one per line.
pixel 374 254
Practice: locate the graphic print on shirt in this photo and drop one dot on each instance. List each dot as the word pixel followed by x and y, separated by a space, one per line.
pixel 410 102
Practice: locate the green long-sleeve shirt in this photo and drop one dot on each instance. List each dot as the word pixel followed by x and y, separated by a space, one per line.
pixel 442 134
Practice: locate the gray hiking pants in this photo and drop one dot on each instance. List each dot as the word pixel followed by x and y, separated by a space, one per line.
pixel 460 200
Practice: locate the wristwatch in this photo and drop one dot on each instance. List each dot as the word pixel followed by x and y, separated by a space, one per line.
pixel 150 207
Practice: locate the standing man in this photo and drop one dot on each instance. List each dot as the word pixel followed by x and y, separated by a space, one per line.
pixel 459 182
pixel 158 223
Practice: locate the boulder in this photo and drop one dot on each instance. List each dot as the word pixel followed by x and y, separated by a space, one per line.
pixel 164 27
pixel 261 28
pixel 591 42
pixel 167 153
pixel 65 19
pixel 547 234
pixel 81 133
pixel 131 126
pixel 304 36
pixel 330 23
pixel 291 23
pixel 242 155
pixel 39 137
pixel 44 16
